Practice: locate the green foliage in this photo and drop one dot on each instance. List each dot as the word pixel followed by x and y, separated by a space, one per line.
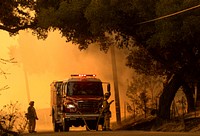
pixel 171 43
pixel 16 15
pixel 68 17
pixel 98 14
pixel 143 63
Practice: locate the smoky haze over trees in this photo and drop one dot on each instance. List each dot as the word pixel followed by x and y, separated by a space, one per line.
pixel 143 92
pixel 167 47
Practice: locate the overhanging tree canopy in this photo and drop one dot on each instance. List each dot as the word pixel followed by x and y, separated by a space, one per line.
pixel 164 46
pixel 16 15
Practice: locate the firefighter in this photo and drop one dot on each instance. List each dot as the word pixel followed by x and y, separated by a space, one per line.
pixel 106 112
pixel 32 117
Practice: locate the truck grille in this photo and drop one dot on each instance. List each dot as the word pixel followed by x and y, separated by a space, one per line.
pixel 88 106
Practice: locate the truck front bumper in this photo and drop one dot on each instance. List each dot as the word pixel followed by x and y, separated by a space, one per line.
pixel 81 116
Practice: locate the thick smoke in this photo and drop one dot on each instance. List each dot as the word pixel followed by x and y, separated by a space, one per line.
pixel 54 59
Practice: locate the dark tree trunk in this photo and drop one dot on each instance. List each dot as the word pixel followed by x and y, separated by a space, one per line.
pixel 189 95
pixel 197 105
pixel 168 95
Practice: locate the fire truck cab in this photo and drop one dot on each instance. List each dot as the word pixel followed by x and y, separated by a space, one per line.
pixel 78 102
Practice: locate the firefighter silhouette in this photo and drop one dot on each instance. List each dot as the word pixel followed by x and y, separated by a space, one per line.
pixel 106 112
pixel 32 117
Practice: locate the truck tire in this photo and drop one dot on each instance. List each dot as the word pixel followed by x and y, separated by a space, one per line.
pixel 61 128
pixel 97 128
pixel 55 127
pixel 66 126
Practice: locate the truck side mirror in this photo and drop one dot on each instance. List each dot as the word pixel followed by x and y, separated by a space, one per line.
pixel 108 88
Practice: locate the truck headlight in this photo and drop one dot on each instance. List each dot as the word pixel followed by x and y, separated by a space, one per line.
pixel 69 106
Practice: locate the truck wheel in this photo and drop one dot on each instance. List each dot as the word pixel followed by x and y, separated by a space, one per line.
pixel 97 127
pixel 66 126
pixel 61 128
pixel 55 127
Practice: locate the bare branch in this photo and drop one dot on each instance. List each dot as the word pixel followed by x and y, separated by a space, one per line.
pixel 4 88
pixel 2 72
pixel 4 61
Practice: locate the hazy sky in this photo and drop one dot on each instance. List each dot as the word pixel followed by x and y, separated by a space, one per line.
pixel 52 59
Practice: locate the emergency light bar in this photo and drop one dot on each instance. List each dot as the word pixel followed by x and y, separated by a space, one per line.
pixel 83 75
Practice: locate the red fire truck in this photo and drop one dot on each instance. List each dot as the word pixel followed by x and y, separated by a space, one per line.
pixel 77 102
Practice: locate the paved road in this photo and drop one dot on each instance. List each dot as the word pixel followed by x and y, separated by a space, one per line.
pixel 111 133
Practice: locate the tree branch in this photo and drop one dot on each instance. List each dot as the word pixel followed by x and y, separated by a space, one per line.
pixel 16 29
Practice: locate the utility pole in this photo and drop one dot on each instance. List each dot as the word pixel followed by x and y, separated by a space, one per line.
pixel 27 86
pixel 115 78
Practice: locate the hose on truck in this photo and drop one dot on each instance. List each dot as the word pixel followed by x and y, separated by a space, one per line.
pixel 84 120
pixel 98 117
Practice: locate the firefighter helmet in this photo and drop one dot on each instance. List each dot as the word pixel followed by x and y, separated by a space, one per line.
pixel 31 102
pixel 107 95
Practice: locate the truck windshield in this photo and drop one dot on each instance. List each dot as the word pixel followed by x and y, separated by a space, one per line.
pixel 84 88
